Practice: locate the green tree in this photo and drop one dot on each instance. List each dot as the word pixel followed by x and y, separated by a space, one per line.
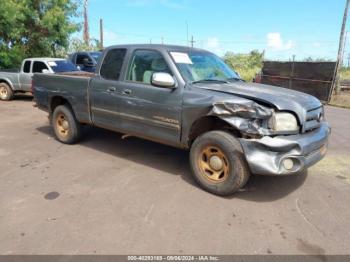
pixel 320 59
pixel 76 44
pixel 247 65
pixel 32 28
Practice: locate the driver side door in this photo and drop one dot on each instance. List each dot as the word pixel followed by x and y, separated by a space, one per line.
pixel 146 110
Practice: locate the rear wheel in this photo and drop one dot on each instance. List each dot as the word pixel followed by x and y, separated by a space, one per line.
pixel 218 163
pixel 67 128
pixel 6 92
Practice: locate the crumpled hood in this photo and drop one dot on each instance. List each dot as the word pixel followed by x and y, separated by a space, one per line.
pixel 282 98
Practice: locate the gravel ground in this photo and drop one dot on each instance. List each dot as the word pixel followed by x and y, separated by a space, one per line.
pixel 107 195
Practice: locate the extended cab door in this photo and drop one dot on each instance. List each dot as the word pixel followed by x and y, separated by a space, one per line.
pixel 103 91
pixel 146 110
pixel 25 76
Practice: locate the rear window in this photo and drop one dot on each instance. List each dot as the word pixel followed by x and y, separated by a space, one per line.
pixel 112 64
pixel 26 67
pixel 81 57
pixel 61 66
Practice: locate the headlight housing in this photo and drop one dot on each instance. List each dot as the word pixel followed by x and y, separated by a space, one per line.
pixel 285 122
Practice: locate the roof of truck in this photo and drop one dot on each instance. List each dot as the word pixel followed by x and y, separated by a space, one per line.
pixel 159 47
pixel 45 59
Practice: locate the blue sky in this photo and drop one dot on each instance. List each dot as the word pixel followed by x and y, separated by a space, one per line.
pixel 280 27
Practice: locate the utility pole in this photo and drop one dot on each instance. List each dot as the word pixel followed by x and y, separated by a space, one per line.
pixel 292 73
pixel 192 42
pixel 101 33
pixel 187 33
pixel 86 36
pixel 336 85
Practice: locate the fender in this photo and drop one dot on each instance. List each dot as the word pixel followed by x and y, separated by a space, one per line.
pixel 8 82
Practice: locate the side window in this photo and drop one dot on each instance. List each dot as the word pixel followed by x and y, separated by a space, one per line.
pixel 144 64
pixel 112 64
pixel 38 67
pixel 26 67
pixel 81 57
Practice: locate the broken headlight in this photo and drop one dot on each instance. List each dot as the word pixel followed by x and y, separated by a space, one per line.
pixel 285 122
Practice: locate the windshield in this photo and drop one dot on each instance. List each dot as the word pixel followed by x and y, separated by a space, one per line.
pixel 60 66
pixel 203 66
pixel 96 55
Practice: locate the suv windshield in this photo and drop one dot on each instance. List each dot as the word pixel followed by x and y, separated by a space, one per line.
pixel 196 66
pixel 60 66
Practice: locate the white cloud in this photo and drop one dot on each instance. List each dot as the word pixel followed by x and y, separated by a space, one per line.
pixel 316 44
pixel 110 37
pixel 275 42
pixel 213 42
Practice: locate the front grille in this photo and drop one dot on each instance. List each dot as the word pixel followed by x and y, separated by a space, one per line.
pixel 313 120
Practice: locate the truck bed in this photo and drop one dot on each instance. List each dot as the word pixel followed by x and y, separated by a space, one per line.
pixel 11 77
pixel 10 70
pixel 78 73
pixel 72 86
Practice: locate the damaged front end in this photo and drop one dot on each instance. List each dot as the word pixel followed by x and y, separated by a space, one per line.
pixel 250 118
pixel 272 141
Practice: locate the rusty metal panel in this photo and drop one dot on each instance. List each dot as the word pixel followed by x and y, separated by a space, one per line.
pixel 314 78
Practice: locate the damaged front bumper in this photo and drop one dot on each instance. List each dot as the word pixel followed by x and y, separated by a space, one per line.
pixel 286 155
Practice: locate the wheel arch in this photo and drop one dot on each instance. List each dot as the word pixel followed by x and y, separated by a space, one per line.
pixel 210 123
pixel 7 81
pixel 56 101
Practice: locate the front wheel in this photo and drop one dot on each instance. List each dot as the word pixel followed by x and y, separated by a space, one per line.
pixel 6 93
pixel 218 163
pixel 66 126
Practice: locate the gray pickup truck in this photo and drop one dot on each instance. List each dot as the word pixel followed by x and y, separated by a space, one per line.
pixel 189 98
pixel 19 81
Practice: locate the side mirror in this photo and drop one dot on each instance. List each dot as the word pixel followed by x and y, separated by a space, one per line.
pixel 45 71
pixel 163 80
pixel 87 62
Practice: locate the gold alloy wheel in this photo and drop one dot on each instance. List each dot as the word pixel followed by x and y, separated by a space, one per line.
pixel 213 164
pixel 62 125
pixel 3 92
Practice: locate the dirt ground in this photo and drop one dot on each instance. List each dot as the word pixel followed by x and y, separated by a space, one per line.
pixel 107 195
pixel 341 100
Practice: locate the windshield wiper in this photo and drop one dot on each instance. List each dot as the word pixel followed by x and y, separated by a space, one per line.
pixel 210 80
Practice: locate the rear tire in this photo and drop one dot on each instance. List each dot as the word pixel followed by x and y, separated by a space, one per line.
pixel 66 127
pixel 218 163
pixel 6 92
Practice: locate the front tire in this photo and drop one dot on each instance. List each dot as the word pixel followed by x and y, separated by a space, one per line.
pixel 218 163
pixel 66 127
pixel 6 92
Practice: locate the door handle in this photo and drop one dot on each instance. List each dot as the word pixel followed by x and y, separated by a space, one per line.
pixel 126 92
pixel 111 89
